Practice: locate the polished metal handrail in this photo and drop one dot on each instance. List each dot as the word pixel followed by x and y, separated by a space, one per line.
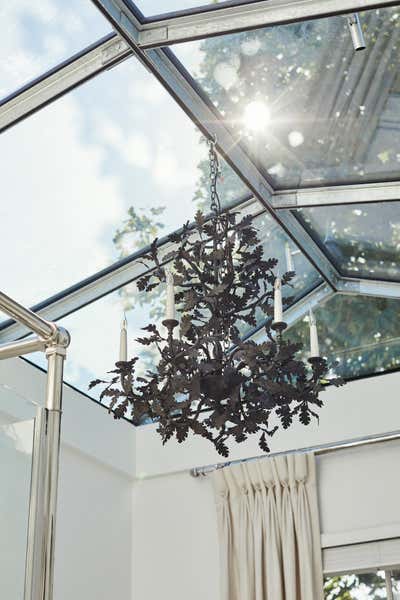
pixel 26 317
pixel 52 340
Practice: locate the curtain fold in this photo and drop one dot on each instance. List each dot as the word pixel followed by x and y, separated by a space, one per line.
pixel 269 530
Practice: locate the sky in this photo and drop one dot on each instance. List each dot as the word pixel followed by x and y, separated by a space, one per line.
pixel 71 171
pixel 38 35
pixel 154 7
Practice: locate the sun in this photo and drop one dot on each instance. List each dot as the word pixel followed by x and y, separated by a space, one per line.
pixel 256 116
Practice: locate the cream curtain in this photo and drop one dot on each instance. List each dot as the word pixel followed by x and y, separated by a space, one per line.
pixel 269 529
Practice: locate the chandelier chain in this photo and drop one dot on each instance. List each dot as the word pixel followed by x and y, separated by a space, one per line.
pixel 215 203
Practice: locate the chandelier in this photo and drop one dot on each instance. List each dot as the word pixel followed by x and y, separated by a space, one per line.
pixel 208 381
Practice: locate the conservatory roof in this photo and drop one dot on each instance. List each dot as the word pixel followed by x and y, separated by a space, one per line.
pixel 104 107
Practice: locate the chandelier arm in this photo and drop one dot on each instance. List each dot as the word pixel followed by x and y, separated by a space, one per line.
pixel 253 305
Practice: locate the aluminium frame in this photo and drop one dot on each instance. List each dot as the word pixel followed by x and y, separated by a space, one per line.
pixel 112 49
pixel 53 340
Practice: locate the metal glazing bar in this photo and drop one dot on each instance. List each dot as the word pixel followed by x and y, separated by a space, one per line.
pixel 164 67
pixel 13 349
pixel 32 321
pixel 310 247
pixel 100 284
pixel 231 19
pixel 298 309
pixel 389 585
pixel 336 195
pixel 318 450
pixel 102 55
pixel 110 50
pixel 369 287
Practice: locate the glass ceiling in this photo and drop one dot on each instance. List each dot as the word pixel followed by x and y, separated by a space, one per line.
pixel 308 108
pixel 150 8
pixel 362 240
pixel 102 157
pixel 360 346
pixel 95 329
pixel 95 175
pixel 36 36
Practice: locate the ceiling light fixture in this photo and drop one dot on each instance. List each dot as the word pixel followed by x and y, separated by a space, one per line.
pixel 208 381
pixel 356 31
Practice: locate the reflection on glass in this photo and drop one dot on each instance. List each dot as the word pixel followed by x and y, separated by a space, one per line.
pixel 16 440
pixel 363 240
pixel 362 586
pixel 102 177
pixel 95 329
pixel 276 244
pixel 361 333
pixel 333 113
pixel 36 36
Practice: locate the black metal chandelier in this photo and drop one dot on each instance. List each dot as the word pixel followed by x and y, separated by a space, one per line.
pixel 208 381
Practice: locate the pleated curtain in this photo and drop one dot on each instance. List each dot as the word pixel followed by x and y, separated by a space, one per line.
pixel 269 531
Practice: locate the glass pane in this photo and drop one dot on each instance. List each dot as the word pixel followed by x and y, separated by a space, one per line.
pixel 361 333
pixel 16 442
pixel 362 240
pixel 362 586
pixel 94 177
pixel 306 105
pixel 158 7
pixel 95 328
pixel 36 36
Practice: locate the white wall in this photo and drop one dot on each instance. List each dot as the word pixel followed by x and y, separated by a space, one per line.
pixel 94 522
pixel 361 408
pixel 93 543
pixel 175 551
pixel 175 527
pixel 359 491
pixel 132 523
pixel 174 515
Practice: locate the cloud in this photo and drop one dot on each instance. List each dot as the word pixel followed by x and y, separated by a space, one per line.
pixel 38 35
pixel 134 148
pixel 59 209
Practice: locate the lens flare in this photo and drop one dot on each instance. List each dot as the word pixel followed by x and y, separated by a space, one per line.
pixel 256 116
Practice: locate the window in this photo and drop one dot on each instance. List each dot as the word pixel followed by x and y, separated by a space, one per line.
pixel 369 585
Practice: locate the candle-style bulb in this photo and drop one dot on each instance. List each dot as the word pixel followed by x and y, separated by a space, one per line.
pixel 278 311
pixel 123 340
pixel 314 344
pixel 170 303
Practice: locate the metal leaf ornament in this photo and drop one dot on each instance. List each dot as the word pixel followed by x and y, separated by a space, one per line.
pixel 208 381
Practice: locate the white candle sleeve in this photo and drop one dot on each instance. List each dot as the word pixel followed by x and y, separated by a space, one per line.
pixel 314 344
pixel 170 303
pixel 123 342
pixel 278 313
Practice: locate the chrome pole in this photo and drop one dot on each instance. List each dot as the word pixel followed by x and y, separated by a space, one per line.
pixel 23 315
pixel 42 518
pixel 21 347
